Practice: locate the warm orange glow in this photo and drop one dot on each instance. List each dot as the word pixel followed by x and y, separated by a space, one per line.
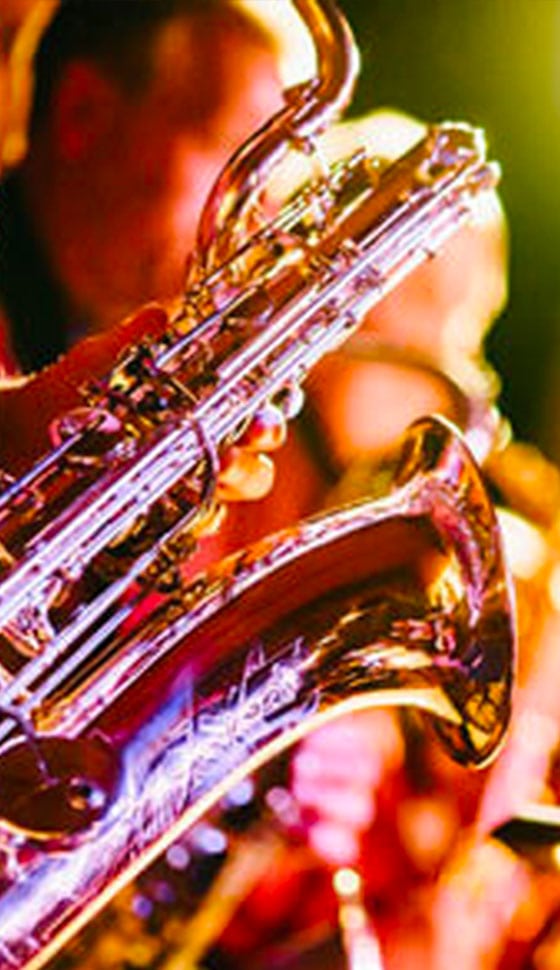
pixel 29 20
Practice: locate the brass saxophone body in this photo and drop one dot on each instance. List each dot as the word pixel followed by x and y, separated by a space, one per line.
pixel 402 601
pixel 117 733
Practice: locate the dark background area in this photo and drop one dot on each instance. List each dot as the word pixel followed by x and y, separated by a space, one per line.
pixel 494 63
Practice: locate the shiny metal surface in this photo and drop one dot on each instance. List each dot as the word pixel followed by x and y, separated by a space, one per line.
pixel 400 601
pixel 157 419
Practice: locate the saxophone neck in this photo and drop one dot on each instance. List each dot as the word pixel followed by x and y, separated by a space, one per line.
pixel 337 57
pixel 308 109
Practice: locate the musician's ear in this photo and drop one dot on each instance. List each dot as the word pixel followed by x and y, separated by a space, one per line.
pixel 83 110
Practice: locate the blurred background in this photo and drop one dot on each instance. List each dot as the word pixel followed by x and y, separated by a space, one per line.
pixel 494 63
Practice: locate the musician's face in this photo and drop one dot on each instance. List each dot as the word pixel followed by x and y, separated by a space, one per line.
pixel 184 133
pixel 140 164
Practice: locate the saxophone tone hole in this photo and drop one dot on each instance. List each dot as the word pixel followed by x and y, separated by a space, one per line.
pixel 58 790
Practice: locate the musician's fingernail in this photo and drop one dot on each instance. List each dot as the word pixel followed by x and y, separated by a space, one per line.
pixel 244 476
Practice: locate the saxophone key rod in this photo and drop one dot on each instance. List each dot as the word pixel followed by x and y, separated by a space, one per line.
pixel 393 225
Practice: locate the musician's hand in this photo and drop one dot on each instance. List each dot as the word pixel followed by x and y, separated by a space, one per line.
pixel 246 470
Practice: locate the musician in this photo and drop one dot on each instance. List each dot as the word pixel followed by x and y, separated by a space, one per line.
pixel 102 212
pixel 128 151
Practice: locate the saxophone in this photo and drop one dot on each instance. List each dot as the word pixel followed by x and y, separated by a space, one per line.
pixel 117 734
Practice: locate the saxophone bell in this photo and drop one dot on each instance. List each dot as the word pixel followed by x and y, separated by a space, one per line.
pixel 401 601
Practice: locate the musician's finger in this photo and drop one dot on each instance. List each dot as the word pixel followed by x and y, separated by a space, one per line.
pixel 266 432
pixel 244 475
